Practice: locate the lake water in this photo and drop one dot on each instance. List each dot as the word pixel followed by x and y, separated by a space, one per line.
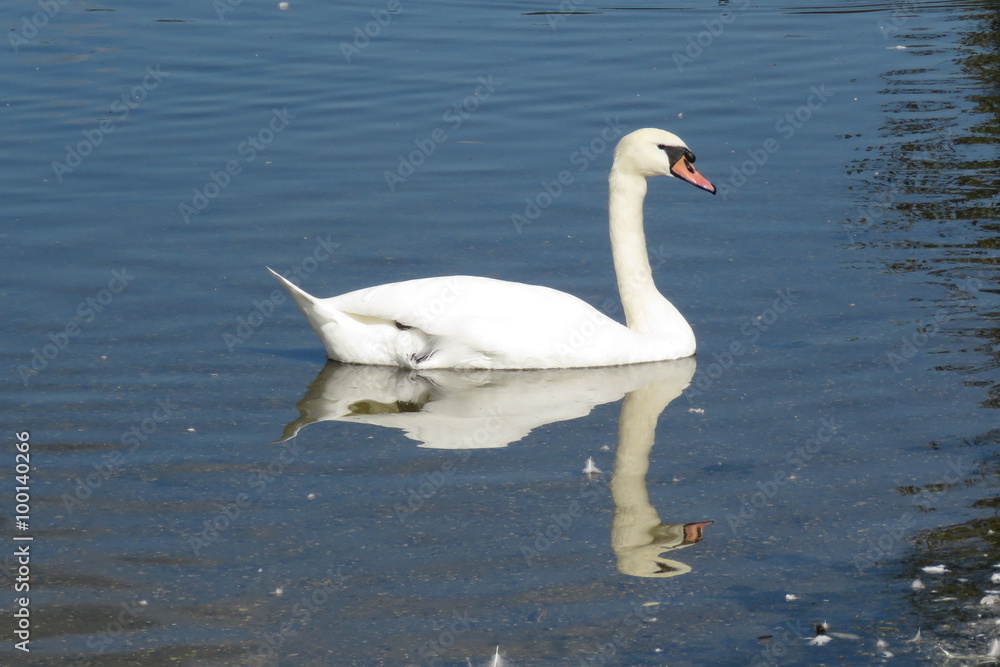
pixel 838 425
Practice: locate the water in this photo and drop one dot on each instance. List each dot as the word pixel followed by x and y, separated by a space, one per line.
pixel 839 428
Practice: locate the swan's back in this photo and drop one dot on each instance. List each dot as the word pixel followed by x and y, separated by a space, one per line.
pixel 501 324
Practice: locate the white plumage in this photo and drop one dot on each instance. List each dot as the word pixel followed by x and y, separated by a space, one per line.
pixel 466 322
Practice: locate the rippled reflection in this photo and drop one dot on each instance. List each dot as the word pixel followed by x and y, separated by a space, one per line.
pixel 474 410
pixel 926 195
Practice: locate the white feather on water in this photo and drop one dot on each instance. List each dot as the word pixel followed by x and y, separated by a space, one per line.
pixel 497 660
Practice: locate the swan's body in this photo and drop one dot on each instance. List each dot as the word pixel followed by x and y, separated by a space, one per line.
pixel 471 322
pixel 478 323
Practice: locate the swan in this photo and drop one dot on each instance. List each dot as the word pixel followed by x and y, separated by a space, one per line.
pixel 468 322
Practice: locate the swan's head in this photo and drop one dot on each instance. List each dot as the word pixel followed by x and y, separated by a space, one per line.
pixel 652 152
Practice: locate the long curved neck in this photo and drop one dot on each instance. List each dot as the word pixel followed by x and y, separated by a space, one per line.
pixel 646 311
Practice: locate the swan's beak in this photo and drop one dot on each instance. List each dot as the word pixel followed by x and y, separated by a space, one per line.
pixel 693 532
pixel 684 170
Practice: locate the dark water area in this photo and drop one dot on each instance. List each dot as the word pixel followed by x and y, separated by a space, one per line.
pixel 203 489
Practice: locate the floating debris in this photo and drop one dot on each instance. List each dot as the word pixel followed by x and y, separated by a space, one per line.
pixel 590 468
pixel 697 411
pixel 497 660
pixel 935 569
pixel 917 585
pixel 821 636
pixel 990 600
pixel 789 597
pixel 991 655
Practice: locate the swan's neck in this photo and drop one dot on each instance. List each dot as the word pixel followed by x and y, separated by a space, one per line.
pixel 646 311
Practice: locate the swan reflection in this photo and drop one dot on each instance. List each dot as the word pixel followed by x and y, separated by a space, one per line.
pixel 446 409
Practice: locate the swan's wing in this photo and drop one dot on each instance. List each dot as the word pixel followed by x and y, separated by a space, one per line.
pixel 510 324
pixel 439 305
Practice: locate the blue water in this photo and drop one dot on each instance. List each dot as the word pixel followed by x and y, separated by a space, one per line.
pixel 840 418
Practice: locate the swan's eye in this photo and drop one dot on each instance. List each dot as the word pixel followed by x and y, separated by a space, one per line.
pixel 676 153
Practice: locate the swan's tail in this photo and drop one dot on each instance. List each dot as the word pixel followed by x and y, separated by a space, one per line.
pixel 360 339
pixel 318 313
pixel 305 301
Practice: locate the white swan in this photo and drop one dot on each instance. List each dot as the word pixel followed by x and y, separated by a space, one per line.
pixel 470 322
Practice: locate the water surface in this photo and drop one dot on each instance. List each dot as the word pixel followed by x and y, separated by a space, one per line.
pixel 838 427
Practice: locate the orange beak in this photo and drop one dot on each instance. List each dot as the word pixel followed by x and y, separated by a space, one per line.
pixel 693 532
pixel 683 169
